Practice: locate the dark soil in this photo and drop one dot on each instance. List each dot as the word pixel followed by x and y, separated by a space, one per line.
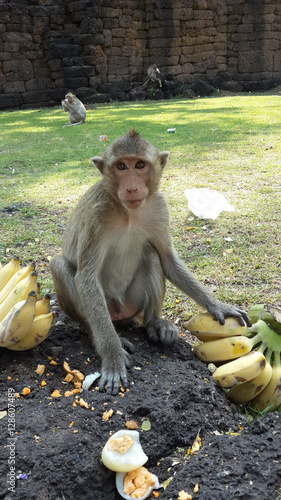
pixel 57 454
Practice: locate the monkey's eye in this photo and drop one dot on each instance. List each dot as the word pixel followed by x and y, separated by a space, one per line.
pixel 121 166
pixel 140 164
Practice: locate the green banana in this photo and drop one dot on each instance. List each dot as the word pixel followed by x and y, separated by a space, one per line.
pixel 270 314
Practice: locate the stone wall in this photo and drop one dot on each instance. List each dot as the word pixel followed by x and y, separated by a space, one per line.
pixel 100 49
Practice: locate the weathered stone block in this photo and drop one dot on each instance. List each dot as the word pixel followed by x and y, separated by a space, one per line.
pixel 16 70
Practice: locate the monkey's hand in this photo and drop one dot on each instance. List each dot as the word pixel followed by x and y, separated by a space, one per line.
pixel 221 311
pixel 114 373
pixel 162 330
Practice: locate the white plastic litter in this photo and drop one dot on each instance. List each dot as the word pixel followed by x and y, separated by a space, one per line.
pixel 89 380
pixel 207 203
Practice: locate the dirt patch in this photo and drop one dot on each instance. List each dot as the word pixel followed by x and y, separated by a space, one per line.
pixel 55 445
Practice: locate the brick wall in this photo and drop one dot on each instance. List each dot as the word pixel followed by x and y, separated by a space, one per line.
pixel 100 49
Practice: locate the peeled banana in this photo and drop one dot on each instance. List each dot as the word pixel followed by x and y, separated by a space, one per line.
pixel 240 370
pixel 8 270
pixel 37 333
pixel 18 321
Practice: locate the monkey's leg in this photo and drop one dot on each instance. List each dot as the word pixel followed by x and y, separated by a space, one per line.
pixel 63 274
pixel 148 291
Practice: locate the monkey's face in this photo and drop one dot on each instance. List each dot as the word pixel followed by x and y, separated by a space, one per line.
pixel 132 168
pixel 131 176
pixel 69 98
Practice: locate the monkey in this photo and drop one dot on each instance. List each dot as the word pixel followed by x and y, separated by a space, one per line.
pixel 154 75
pixel 117 253
pixel 75 109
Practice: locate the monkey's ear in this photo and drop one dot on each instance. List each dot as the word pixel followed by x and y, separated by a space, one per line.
pixel 163 158
pixel 98 161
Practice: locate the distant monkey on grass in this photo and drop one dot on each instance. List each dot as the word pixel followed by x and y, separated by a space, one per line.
pixel 75 109
pixel 117 252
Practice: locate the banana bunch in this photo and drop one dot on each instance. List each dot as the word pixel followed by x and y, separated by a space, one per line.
pixel 248 359
pixel 25 318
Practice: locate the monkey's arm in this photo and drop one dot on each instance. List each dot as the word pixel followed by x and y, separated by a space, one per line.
pixel 64 106
pixel 176 272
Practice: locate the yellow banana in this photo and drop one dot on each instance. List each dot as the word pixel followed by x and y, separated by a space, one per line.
pixel 37 333
pixel 18 276
pixel 271 395
pixel 240 370
pixel 8 270
pixel 224 349
pixel 207 327
pixel 18 293
pixel 18 321
pixel 43 305
pixel 249 390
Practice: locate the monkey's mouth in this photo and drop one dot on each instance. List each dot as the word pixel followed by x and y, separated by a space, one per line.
pixel 134 203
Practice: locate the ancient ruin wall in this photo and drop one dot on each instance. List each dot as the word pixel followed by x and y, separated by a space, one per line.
pixel 101 49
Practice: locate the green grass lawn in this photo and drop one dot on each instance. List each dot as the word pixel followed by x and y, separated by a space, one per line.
pixel 228 143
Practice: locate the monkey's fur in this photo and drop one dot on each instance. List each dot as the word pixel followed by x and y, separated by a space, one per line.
pixel 75 109
pixel 115 259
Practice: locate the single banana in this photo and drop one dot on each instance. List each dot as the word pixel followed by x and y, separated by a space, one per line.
pixel 240 370
pixel 249 390
pixel 18 293
pixel 38 332
pixel 207 327
pixel 18 276
pixel 43 305
pixel 224 349
pixel 18 321
pixel 8 270
pixel 270 397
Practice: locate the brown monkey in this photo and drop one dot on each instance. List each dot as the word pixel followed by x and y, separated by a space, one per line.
pixel 153 73
pixel 117 252
pixel 75 109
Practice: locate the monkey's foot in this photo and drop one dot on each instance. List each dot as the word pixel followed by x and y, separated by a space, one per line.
pixel 162 330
